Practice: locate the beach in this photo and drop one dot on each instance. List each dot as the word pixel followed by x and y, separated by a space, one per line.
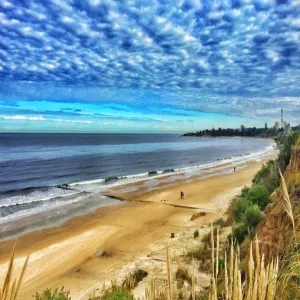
pixel 88 250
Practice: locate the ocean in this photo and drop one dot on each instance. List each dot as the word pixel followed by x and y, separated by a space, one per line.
pixel 45 173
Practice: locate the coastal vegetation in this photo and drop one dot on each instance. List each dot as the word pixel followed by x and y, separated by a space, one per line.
pixel 183 275
pixel 114 292
pixel 196 233
pixel 242 132
pixel 56 294
pixel 247 209
pixel 11 285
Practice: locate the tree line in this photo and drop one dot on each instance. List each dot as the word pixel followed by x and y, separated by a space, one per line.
pixel 247 132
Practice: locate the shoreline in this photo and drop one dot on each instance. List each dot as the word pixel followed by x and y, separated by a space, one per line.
pixel 70 255
pixel 271 138
pixel 144 182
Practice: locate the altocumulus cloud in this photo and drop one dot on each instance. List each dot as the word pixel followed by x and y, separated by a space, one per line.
pixel 238 57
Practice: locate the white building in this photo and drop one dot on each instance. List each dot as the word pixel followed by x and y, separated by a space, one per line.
pixel 287 128
pixel 277 125
pixel 283 125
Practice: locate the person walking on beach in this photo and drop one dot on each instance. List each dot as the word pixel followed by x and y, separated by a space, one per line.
pixel 181 195
pixel 234 169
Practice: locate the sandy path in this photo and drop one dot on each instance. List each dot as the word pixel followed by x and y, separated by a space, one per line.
pixel 68 255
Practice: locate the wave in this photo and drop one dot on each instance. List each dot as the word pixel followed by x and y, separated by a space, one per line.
pixel 27 189
pixel 87 182
pixel 107 179
pixel 168 171
pixel 36 195
pixel 158 173
pixel 13 208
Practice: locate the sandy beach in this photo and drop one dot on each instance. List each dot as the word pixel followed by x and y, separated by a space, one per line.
pixel 89 250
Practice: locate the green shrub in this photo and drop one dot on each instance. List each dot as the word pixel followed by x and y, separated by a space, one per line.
pixel 48 294
pixel 240 208
pixel 196 233
pixel 268 176
pixel 115 292
pixel 239 233
pixel 245 191
pixel 252 216
pixel 258 194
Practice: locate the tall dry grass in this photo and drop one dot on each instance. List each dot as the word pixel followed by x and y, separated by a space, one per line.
pixel 286 201
pixel 260 283
pixel 288 286
pixel 11 286
pixel 261 278
pixel 157 290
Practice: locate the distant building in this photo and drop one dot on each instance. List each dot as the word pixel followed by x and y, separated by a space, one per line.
pixel 277 125
pixel 283 125
pixel 242 127
pixel 287 128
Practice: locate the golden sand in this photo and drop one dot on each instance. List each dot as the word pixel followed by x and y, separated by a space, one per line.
pixel 87 250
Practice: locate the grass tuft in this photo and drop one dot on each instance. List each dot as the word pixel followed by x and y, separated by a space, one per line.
pixel 11 287
pixel 56 294
pixel 132 280
pixel 182 275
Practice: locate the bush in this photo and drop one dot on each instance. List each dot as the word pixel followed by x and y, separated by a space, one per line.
pixel 240 208
pixel 239 233
pixel 220 223
pixel 245 191
pixel 182 275
pixel 48 294
pixel 258 194
pixel 139 275
pixel 115 292
pixel 132 280
pixel 196 233
pixel 268 176
pixel 201 253
pixel 252 216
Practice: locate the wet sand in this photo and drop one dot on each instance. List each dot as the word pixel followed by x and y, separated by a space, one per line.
pixel 87 250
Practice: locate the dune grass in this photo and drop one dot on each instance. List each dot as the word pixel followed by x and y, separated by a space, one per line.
pixel 114 292
pixel 132 280
pixel 183 275
pixel 56 294
pixel 11 285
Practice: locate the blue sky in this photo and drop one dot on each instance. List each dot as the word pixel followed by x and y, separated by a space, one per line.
pixel 147 65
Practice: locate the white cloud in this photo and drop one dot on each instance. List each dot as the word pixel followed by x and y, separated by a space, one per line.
pixel 23 117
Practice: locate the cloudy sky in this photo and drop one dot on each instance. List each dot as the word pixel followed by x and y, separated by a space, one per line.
pixel 147 65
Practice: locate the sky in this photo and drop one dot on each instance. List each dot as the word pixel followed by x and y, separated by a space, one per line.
pixel 147 65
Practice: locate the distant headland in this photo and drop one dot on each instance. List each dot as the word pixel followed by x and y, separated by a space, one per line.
pixel 243 131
